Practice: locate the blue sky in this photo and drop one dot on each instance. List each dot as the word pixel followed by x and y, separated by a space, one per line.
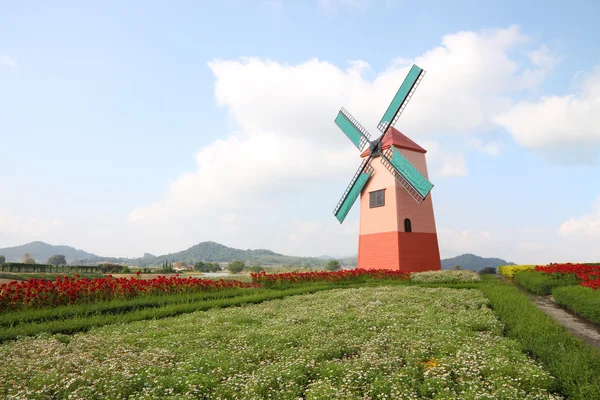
pixel 149 127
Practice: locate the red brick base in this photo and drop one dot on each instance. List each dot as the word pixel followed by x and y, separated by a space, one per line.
pixel 404 251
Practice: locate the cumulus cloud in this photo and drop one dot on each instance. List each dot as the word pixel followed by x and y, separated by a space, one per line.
pixel 561 127
pixel 587 225
pixel 285 145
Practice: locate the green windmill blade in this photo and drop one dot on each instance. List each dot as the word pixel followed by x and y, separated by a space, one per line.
pixel 406 174
pixel 356 185
pixel 401 98
pixel 353 129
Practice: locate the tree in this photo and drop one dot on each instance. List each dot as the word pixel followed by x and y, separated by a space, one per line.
pixel 27 259
pixel 487 270
pixel 57 259
pixel 332 265
pixel 235 267
pixel 457 267
pixel 2 259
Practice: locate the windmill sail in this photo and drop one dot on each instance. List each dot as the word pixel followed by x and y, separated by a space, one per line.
pixel 353 129
pixel 401 98
pixel 406 174
pixel 357 183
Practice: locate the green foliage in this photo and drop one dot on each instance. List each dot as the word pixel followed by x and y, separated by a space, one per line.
pixel 2 259
pixel 487 270
pixel 57 259
pixel 203 266
pixel 583 301
pixel 109 268
pixel 575 365
pixel 539 283
pixel 256 269
pixel 332 265
pixel 235 267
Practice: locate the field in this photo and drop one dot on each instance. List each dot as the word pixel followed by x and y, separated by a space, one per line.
pixel 387 342
pixel 340 335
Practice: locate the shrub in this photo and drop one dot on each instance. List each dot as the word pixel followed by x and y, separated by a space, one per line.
pixel 510 270
pixel 256 268
pixel 537 282
pixel 235 267
pixel 487 270
pixel 581 300
pixel 447 276
pixel 332 265
pixel 108 268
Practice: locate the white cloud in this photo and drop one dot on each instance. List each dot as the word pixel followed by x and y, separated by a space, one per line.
pixel 286 143
pixel 8 61
pixel 562 127
pixel 587 225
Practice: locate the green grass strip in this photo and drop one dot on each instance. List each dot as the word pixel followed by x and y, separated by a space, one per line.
pixel 575 365
pixel 583 301
pixel 540 283
pixel 119 306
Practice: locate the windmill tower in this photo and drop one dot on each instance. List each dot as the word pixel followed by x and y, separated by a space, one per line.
pixel 397 225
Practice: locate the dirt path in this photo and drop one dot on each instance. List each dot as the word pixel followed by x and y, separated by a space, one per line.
pixel 583 329
pixel 577 326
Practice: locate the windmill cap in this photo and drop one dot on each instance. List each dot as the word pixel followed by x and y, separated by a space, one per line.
pixel 397 139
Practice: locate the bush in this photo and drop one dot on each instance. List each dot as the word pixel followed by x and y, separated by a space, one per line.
pixel 108 268
pixel 256 269
pixel 510 270
pixel 235 267
pixel 447 276
pixel 537 282
pixel 487 270
pixel 583 301
pixel 332 265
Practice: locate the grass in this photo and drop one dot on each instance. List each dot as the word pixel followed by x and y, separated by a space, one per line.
pixel 539 283
pixel 372 342
pixel 575 365
pixel 583 301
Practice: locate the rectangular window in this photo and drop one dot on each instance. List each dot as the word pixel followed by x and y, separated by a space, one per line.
pixel 377 198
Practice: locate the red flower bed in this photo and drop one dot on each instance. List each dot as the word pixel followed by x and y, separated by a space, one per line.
pixel 293 277
pixel 64 290
pixel 588 275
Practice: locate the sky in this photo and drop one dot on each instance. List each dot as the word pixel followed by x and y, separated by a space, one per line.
pixel 147 126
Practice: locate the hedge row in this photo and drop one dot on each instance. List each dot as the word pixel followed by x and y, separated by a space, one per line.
pixel 539 283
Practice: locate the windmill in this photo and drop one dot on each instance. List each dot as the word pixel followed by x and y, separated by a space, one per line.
pixel 397 225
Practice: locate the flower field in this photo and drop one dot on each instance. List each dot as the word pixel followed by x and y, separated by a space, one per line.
pixel 588 274
pixel 40 293
pixel 510 270
pixel 395 342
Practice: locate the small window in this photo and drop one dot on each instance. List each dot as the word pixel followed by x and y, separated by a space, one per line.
pixel 377 198
pixel 407 225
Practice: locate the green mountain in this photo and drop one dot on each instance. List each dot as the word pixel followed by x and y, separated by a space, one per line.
pixel 214 252
pixel 41 252
pixel 473 262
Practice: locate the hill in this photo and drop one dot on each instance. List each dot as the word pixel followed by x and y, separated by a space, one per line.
pixel 473 262
pixel 214 252
pixel 41 252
